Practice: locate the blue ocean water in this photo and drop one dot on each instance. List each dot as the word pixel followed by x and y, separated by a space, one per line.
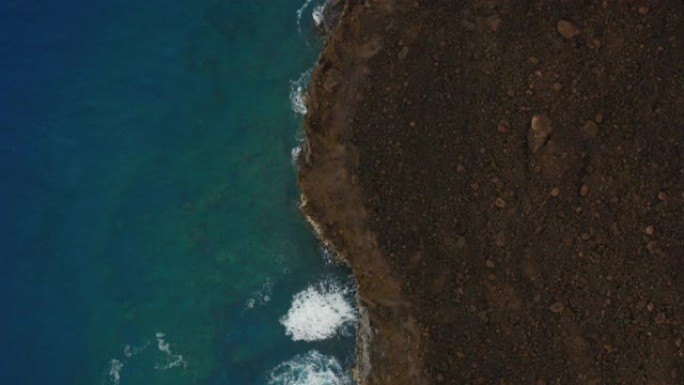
pixel 149 230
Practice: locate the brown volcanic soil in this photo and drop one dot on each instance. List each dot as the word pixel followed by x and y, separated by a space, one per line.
pixel 506 180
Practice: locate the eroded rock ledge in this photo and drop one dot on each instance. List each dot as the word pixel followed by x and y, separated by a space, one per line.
pixel 389 337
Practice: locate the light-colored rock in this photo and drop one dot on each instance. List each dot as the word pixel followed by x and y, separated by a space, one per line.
pixel 567 29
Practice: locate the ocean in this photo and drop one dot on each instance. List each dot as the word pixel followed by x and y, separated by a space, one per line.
pixel 149 229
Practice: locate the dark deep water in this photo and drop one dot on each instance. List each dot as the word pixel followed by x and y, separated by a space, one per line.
pixel 149 230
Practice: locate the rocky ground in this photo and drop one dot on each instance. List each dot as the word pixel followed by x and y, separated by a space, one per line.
pixel 506 180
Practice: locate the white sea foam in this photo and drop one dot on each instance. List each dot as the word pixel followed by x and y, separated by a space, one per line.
pixel 298 98
pixel 329 254
pixel 294 155
pixel 114 372
pixel 312 368
pixel 317 14
pixel 300 13
pixel 171 360
pixel 320 312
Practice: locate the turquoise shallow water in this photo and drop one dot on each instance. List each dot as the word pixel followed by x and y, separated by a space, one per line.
pixel 150 225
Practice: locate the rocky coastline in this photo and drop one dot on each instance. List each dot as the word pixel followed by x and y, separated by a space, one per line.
pixel 506 182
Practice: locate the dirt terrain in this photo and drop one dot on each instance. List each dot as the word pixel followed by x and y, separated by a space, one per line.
pixel 506 181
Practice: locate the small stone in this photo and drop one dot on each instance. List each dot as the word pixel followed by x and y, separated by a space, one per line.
pixel 557 307
pixel 500 203
pixel 489 263
pixel 643 10
pixel 555 192
pixel 598 118
pixel 502 127
pixel 500 239
pixel 567 29
pixel 494 23
pixel 460 168
pixel 439 377
pixel 557 86
pixel 584 190
pixel 413 124
pixel 590 129
pixel 662 196
pixel 540 130
pixel 533 60
pixel 403 53
pixel 461 243
pixel 660 318
pixel 649 230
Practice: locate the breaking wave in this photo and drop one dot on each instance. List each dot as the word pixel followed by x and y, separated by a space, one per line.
pixel 298 98
pixel 300 13
pixel 312 368
pixel 320 312
pixel 317 14
pixel 294 155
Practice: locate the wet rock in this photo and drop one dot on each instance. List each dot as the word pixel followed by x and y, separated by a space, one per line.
pixel 567 29
pixel 330 17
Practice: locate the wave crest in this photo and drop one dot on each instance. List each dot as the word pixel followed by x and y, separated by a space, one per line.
pixel 320 312
pixel 312 368
pixel 298 98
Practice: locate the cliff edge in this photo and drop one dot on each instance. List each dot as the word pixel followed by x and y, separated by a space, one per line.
pixel 506 181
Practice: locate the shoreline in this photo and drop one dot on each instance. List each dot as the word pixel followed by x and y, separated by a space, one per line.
pixel 509 212
pixel 363 329
pixel 330 202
